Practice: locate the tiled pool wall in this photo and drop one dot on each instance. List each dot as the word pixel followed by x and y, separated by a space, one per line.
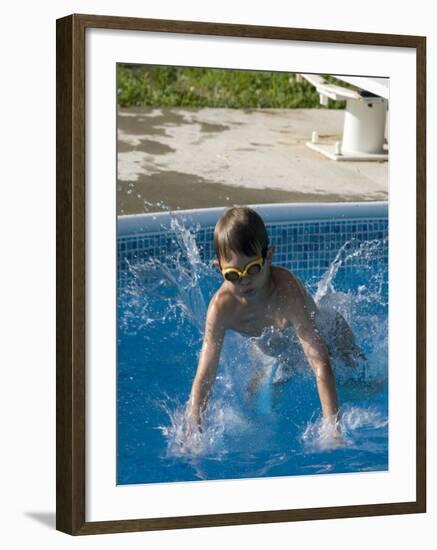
pixel 301 246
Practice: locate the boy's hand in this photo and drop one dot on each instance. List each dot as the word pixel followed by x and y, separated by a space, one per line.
pixel 192 431
pixel 192 424
pixel 333 429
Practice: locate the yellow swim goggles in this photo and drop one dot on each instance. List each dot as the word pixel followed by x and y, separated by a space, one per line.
pixel 233 274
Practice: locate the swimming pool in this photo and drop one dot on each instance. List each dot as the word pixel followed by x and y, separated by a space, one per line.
pixel 165 280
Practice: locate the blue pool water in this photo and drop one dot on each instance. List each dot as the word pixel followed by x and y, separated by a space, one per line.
pixel 162 300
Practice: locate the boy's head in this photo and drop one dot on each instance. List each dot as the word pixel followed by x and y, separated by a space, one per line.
pixel 242 231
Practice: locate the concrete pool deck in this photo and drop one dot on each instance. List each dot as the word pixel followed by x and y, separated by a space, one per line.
pixel 176 158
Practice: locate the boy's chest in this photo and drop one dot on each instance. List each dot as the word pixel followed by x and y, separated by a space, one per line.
pixel 252 321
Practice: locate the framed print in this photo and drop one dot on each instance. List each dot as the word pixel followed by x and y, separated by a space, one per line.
pixel 240 274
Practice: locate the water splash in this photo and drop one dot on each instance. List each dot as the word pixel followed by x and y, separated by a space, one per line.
pixel 355 306
pixel 191 298
pixel 353 422
pixel 174 283
pixel 323 435
pixel 365 251
pixel 186 440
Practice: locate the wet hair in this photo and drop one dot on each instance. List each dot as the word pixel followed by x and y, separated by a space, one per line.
pixel 241 230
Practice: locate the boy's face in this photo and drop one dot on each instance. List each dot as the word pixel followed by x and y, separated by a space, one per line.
pixel 247 287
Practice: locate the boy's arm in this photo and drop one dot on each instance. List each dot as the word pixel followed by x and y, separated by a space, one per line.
pixel 316 352
pixel 204 379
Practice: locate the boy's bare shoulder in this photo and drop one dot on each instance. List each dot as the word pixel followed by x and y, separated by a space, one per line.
pixel 293 292
pixel 222 304
pixel 285 281
pixel 291 287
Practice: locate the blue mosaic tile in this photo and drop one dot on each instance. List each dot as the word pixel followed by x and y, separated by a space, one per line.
pixel 299 245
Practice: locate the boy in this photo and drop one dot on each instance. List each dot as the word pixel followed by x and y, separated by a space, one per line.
pixel 255 295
